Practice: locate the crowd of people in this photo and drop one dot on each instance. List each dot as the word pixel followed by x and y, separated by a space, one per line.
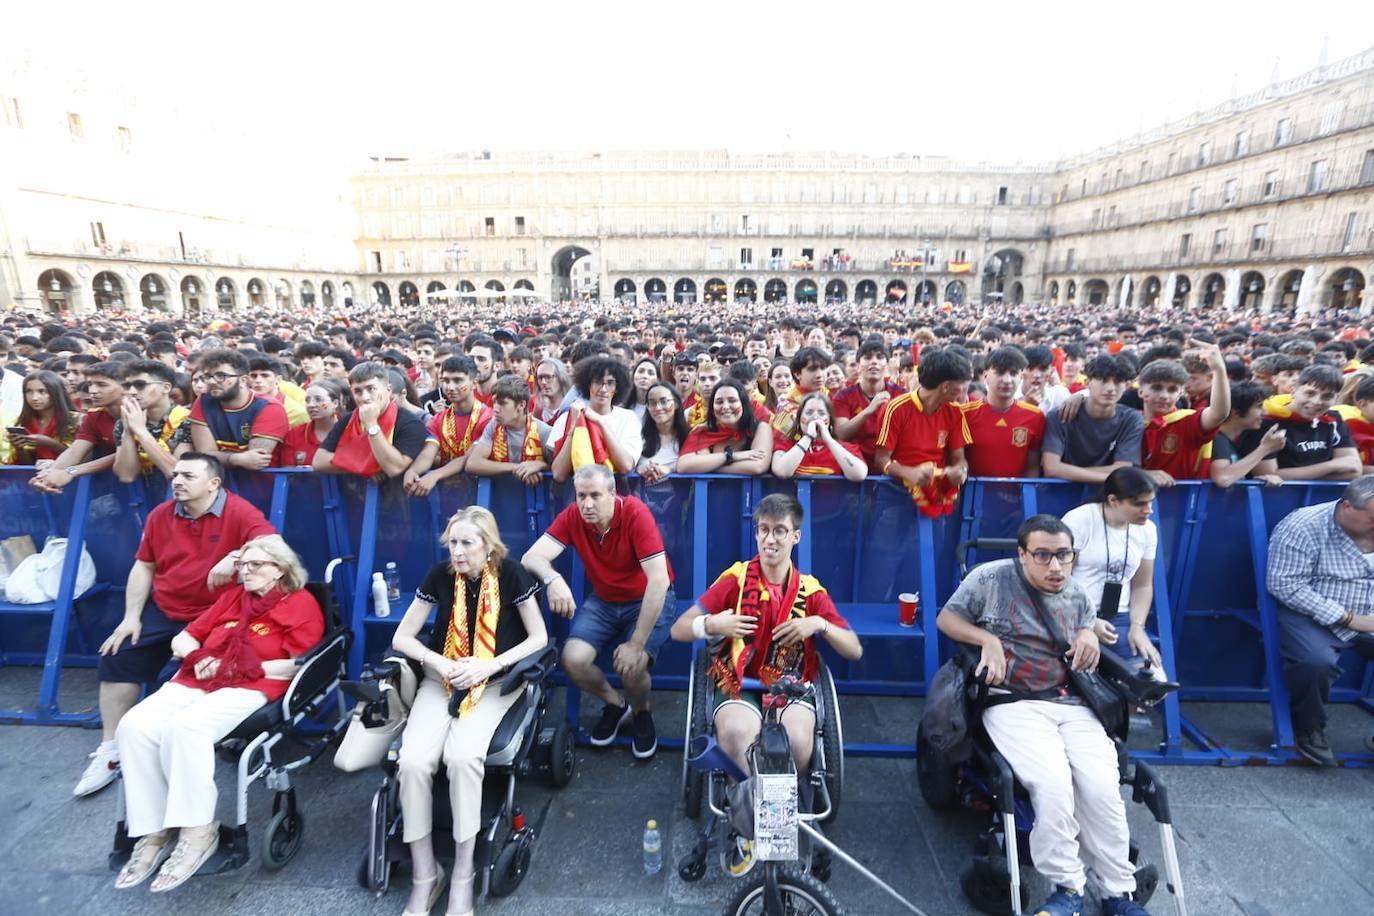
pixel 589 392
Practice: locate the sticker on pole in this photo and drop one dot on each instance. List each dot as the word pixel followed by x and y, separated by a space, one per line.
pixel 775 817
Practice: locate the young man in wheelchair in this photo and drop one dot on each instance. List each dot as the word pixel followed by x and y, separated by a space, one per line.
pixel 1054 743
pixel 761 618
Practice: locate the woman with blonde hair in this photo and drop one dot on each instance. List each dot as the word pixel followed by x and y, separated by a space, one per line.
pixel 486 619
pixel 238 655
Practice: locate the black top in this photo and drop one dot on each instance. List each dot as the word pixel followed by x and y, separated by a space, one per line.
pixel 408 437
pixel 1309 442
pixel 515 585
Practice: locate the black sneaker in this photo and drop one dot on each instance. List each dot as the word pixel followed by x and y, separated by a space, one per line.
pixel 645 738
pixel 1313 746
pixel 613 718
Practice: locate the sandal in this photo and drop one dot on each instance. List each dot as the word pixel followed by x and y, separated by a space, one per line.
pixel 147 855
pixel 439 880
pixel 185 860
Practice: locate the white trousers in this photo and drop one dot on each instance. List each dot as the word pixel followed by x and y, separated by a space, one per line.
pixel 167 754
pixel 431 735
pixel 1067 763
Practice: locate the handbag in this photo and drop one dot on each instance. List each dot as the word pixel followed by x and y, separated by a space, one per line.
pixel 945 718
pixel 1102 696
pixel 364 745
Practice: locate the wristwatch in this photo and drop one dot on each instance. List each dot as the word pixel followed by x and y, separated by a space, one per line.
pixel 374 430
pixel 549 579
pixel 729 455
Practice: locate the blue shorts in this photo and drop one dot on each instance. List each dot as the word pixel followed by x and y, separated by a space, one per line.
pixel 603 624
pixel 143 663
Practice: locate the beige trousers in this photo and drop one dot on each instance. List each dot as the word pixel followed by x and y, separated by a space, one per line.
pixel 431 735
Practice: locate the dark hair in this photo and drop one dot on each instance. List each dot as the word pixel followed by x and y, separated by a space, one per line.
pixel 511 388
pixel 780 505
pixel 337 391
pixel 1245 395
pixel 871 346
pixel 1164 371
pixel 63 412
pixel 1039 357
pixel 308 348
pixel 594 368
pixel 343 356
pixel 463 364
pixel 940 366
pixel 747 421
pixel 265 364
pixel 156 368
pixel 224 357
pixel 1327 378
pixel 1007 359
pixel 1044 522
pixel 1108 368
pixel 809 358
pixel 110 369
pixel 1127 483
pixel 213 466
pixel 366 371
pixel 649 429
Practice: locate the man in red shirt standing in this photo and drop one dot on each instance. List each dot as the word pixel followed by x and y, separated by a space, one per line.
pixel 104 394
pixel 1006 433
pixel 187 553
pixel 1177 444
pixel 859 407
pixel 631 581
pixel 923 434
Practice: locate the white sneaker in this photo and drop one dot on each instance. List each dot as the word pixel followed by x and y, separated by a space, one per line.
pixel 100 772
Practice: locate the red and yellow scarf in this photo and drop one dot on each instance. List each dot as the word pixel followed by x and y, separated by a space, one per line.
pixel 354 453
pixel 458 643
pixel 588 443
pixel 695 409
pixel 936 498
pixel 735 655
pixel 451 444
pixel 532 451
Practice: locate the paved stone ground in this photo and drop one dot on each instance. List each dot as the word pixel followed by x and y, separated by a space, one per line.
pixel 1252 841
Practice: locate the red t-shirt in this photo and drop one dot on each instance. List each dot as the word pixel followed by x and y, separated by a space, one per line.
pixel 819 459
pixel 613 560
pixel 915 437
pixel 450 439
pixel 1001 440
pixel 298 447
pixel 1362 431
pixel 850 401
pixel 723 596
pixel 183 550
pixel 234 429
pixel 97 428
pixel 1177 444
pixel 288 629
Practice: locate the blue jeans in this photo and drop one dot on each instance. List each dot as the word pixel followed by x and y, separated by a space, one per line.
pixel 603 624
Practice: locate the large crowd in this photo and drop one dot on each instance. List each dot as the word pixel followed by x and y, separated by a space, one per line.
pixel 927 396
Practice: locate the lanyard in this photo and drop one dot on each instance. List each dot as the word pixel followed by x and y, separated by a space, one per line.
pixel 1107 546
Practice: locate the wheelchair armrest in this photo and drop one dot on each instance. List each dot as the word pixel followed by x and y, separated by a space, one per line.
pixel 1135 678
pixel 531 669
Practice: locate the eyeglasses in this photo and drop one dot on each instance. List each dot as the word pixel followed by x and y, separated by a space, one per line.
pixel 253 565
pixel 779 533
pixel 544 377
pixel 220 377
pixel 661 402
pixel 138 384
pixel 605 384
pixel 1043 557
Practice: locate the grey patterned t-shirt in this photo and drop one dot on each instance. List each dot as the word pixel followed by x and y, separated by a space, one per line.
pixel 993 597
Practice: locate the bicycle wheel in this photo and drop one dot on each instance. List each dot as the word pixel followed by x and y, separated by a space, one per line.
pixel 802 895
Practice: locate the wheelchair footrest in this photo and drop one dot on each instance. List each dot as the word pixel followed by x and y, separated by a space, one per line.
pixel 232 853
pixel 123 847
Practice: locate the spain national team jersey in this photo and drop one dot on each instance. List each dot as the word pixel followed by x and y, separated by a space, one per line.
pixel 915 437
pixel 1001 440
pixel 851 401
pixel 1177 444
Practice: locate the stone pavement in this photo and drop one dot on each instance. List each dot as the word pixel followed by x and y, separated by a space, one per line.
pixel 1253 842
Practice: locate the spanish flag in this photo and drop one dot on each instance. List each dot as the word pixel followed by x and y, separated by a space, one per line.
pixel 960 267
pixel 588 444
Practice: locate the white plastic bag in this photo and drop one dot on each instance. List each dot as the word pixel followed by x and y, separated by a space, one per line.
pixel 37 578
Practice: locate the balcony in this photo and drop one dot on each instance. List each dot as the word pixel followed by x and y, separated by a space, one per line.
pixel 1232 253
pixel 151 253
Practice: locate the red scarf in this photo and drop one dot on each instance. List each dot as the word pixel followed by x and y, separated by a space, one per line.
pixel 588 443
pixel 238 660
pixel 354 453
pixel 702 439
pixel 735 655
pixel 452 445
pixel 936 498
pixel 533 449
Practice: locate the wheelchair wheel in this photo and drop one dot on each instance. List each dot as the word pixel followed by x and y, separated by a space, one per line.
pixel 376 869
pixel 698 723
pixel 987 885
pixel 511 865
pixel 833 739
pixel 281 840
pixel 562 756
pixel 934 775
pixel 801 894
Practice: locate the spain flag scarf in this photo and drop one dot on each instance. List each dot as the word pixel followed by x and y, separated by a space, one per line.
pixel 735 655
pixel 533 449
pixel 458 643
pixel 354 454
pixel 588 443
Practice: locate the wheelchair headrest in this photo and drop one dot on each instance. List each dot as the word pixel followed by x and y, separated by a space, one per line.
pixel 991 545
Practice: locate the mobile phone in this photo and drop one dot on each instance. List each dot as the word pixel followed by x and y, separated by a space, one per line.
pixel 16 431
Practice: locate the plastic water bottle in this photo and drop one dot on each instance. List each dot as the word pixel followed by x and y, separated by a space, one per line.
pixel 393 582
pixel 653 849
pixel 381 606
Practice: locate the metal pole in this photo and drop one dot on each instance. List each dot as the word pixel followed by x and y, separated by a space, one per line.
pixel 853 863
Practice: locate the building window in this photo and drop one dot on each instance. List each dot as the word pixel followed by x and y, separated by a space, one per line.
pixel 1194 200
pixel 1204 152
pixel 1219 240
pixel 1331 116
pixel 1228 191
pixel 1271 183
pixel 489 225
pixel 1316 176
pixel 125 138
pixel 1111 215
pixel 74 125
pixel 1185 241
pixel 1173 164
pixel 1069 259
pixel 1144 170
pixel 1097 218
pixel 398 197
pixel 1259 234
pixel 12 116
pixel 519 225
pixel 98 235
pixel 965 194
pixel 1120 178
pixel 1348 238
pixel 1002 195
pixel 745 225
pixel 1367 170
pixel 1242 144
pixel 522 258
pixel 714 257
pixel 746 258
pixel 903 195
pixel 375 259
pixel 871 195
pixel 717 223
pixel 1283 131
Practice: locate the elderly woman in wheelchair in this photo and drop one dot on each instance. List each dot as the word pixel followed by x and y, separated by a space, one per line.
pixel 236 657
pixel 487 618
pixel 762 619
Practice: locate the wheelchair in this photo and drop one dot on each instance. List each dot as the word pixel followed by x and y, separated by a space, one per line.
pixel 523 743
pixel 991 878
pixel 271 744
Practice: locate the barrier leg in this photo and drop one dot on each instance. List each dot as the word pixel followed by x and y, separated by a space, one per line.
pixel 1268 616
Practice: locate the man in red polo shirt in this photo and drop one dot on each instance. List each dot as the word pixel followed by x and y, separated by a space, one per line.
pixel 93 450
pixel 187 553
pixel 1006 433
pixel 923 434
pixel 1177 444
pixel 859 407
pixel 619 544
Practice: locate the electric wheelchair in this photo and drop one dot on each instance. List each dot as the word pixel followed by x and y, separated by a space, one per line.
pixel 522 744
pixel 271 744
pixel 984 782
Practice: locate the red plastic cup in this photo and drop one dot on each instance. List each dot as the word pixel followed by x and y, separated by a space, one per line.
pixel 907 603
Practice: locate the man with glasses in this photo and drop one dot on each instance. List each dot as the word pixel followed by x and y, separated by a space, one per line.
pixel 189 546
pixel 631 583
pixel 1054 743
pixel 151 431
pixel 239 427
pixel 93 449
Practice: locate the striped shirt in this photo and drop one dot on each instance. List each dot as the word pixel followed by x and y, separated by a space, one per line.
pixel 1316 569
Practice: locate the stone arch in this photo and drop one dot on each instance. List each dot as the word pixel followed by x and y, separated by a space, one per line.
pixel 1096 291
pixel 107 287
pixel 746 290
pixel 153 293
pixel 715 290
pixel 226 294
pixel 685 290
pixel 57 289
pixel 1347 288
pixel 1213 290
pixel 1252 286
pixel 775 290
pixel 836 291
